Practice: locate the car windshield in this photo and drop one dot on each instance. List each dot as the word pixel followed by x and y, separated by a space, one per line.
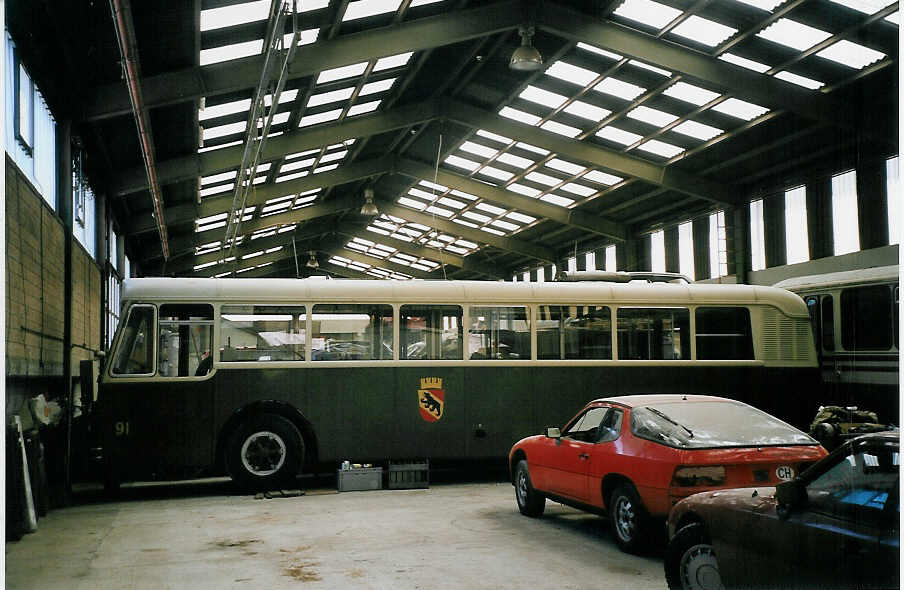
pixel 712 424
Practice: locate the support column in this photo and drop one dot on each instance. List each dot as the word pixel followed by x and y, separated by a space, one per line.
pixel 819 218
pixel 581 261
pixel 737 229
pixel 672 258
pixel 872 204
pixel 548 275
pixel 774 230
pixel 700 231
pixel 64 198
pixel 600 258
pixel 644 246
pixel 626 255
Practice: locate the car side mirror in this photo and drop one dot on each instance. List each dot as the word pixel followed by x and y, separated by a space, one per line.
pixel 552 432
pixel 790 494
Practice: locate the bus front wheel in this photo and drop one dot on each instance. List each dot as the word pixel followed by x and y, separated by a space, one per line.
pixel 265 453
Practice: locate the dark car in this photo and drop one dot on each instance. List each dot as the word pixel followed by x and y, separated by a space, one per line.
pixel 834 526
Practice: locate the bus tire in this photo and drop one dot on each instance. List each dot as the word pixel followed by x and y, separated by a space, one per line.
pixel 265 453
pixel 530 502
pixel 628 518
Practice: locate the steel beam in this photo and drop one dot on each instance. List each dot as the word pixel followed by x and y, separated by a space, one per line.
pixel 493 194
pixel 240 74
pixel 765 90
pixel 596 155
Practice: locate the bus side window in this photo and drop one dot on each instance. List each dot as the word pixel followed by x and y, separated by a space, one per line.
pixel 812 302
pixel 864 318
pixel 723 333
pixel 653 334
pixel 262 333
pixel 574 332
pixel 185 340
pixel 827 306
pixel 351 332
pixel 135 352
pixel 499 333
pixel 430 332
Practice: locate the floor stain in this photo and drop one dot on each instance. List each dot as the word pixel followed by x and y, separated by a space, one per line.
pixel 355 573
pixel 154 550
pixel 240 543
pixel 303 572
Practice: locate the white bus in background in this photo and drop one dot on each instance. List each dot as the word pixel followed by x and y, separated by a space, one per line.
pixel 854 315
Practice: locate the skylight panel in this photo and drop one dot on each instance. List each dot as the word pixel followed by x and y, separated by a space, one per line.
pixel 504 225
pixel 269 209
pixel 618 88
pixel 703 31
pixel 647 12
pixel 531 148
pixel 744 62
pixel 651 116
pixel 302 154
pixel 287 177
pixel 865 6
pixel 697 130
pixel 541 178
pixel 320 169
pixel 799 80
pixel 490 230
pixel 228 16
pixel 520 116
pixel 223 130
pixel 578 189
pixel 341 72
pixel 328 97
pixel 561 128
pixel 521 217
pixel 565 166
pixel 305 37
pixel 278 119
pixel 392 61
pixel 375 87
pixel 296 165
pixel 229 52
pixel 478 149
pixel 513 160
pixel 308 120
pixel 433 185
pixel 690 93
pixel 569 73
pixel 459 162
pixel 523 190
pixel 451 203
pixel 793 34
pixel 214 178
pixel 493 136
pixel 495 173
pixel 603 177
pixel 587 111
pixel 366 8
pixel 421 194
pixel 740 109
pixel 618 135
pixel 660 148
pixel 544 97
pixel 284 97
pixel 557 200
pixel 412 203
pixel 851 54
pixel 598 51
pixel 366 107
pixel 461 221
pixel 650 68
pixel 476 216
pixel 463 195
pixel 490 208
pixel 333 156
pixel 766 5
pixel 221 110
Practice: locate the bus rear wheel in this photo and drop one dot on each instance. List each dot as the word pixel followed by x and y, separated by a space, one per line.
pixel 265 453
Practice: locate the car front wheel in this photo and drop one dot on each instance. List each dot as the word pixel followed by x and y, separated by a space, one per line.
pixel 690 562
pixel 530 501
pixel 628 518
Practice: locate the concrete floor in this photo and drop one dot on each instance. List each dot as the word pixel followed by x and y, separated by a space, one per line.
pixel 201 535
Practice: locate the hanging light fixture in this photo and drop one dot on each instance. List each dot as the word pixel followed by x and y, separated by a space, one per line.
pixel 369 208
pixel 526 58
pixel 312 260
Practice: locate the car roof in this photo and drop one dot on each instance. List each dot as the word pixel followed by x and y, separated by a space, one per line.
pixel 633 401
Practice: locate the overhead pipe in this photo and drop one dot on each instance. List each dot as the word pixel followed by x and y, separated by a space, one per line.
pixel 128 51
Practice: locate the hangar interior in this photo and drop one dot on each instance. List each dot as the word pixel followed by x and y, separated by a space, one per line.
pixel 733 141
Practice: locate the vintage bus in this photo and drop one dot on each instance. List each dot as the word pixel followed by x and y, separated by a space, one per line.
pixel 262 378
pixel 855 323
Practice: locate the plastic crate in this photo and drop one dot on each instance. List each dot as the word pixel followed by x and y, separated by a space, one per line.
pixel 361 479
pixel 405 475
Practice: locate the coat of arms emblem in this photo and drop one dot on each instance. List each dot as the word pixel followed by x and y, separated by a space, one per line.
pixel 431 398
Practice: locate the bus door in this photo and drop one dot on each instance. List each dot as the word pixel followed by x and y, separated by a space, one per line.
pixel 159 392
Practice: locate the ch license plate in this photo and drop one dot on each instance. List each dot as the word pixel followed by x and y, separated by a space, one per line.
pixel 784 472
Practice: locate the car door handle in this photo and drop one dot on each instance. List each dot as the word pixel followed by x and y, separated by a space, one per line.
pixel 583 456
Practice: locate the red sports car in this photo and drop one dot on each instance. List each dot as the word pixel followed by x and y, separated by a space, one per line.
pixel 634 457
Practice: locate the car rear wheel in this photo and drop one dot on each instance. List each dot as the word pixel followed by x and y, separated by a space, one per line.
pixel 628 518
pixel 690 562
pixel 530 501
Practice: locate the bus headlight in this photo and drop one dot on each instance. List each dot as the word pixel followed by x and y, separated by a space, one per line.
pixel 710 475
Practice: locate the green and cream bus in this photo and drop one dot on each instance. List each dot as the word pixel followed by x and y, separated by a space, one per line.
pixel 264 378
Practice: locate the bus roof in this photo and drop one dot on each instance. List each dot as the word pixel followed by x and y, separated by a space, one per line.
pixel 877 274
pixel 475 292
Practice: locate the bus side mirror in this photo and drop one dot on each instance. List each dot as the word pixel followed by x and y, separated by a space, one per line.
pixel 552 432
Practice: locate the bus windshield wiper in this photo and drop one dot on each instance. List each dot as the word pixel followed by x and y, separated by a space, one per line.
pixel 664 417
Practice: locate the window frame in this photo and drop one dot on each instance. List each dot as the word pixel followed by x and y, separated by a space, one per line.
pixel 691 344
pixel 153 339
pixel 27 143
pixel 196 322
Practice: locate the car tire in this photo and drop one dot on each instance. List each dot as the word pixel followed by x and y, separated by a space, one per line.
pixel 690 562
pixel 628 518
pixel 265 453
pixel 530 502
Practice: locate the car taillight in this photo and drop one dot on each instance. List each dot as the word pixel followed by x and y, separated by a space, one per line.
pixel 710 475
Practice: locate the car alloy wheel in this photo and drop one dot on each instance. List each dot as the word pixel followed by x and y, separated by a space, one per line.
pixel 263 453
pixel 699 569
pixel 625 519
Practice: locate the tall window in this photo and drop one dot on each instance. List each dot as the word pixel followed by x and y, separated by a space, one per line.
pixel 611 265
pixel 797 248
pixel 893 188
pixel 845 224
pixel 686 249
pixel 572 264
pixel 24 113
pixel 718 246
pixel 83 204
pixel 657 251
pixel 541 272
pixel 526 276
pixel 112 308
pixel 590 260
pixel 757 236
